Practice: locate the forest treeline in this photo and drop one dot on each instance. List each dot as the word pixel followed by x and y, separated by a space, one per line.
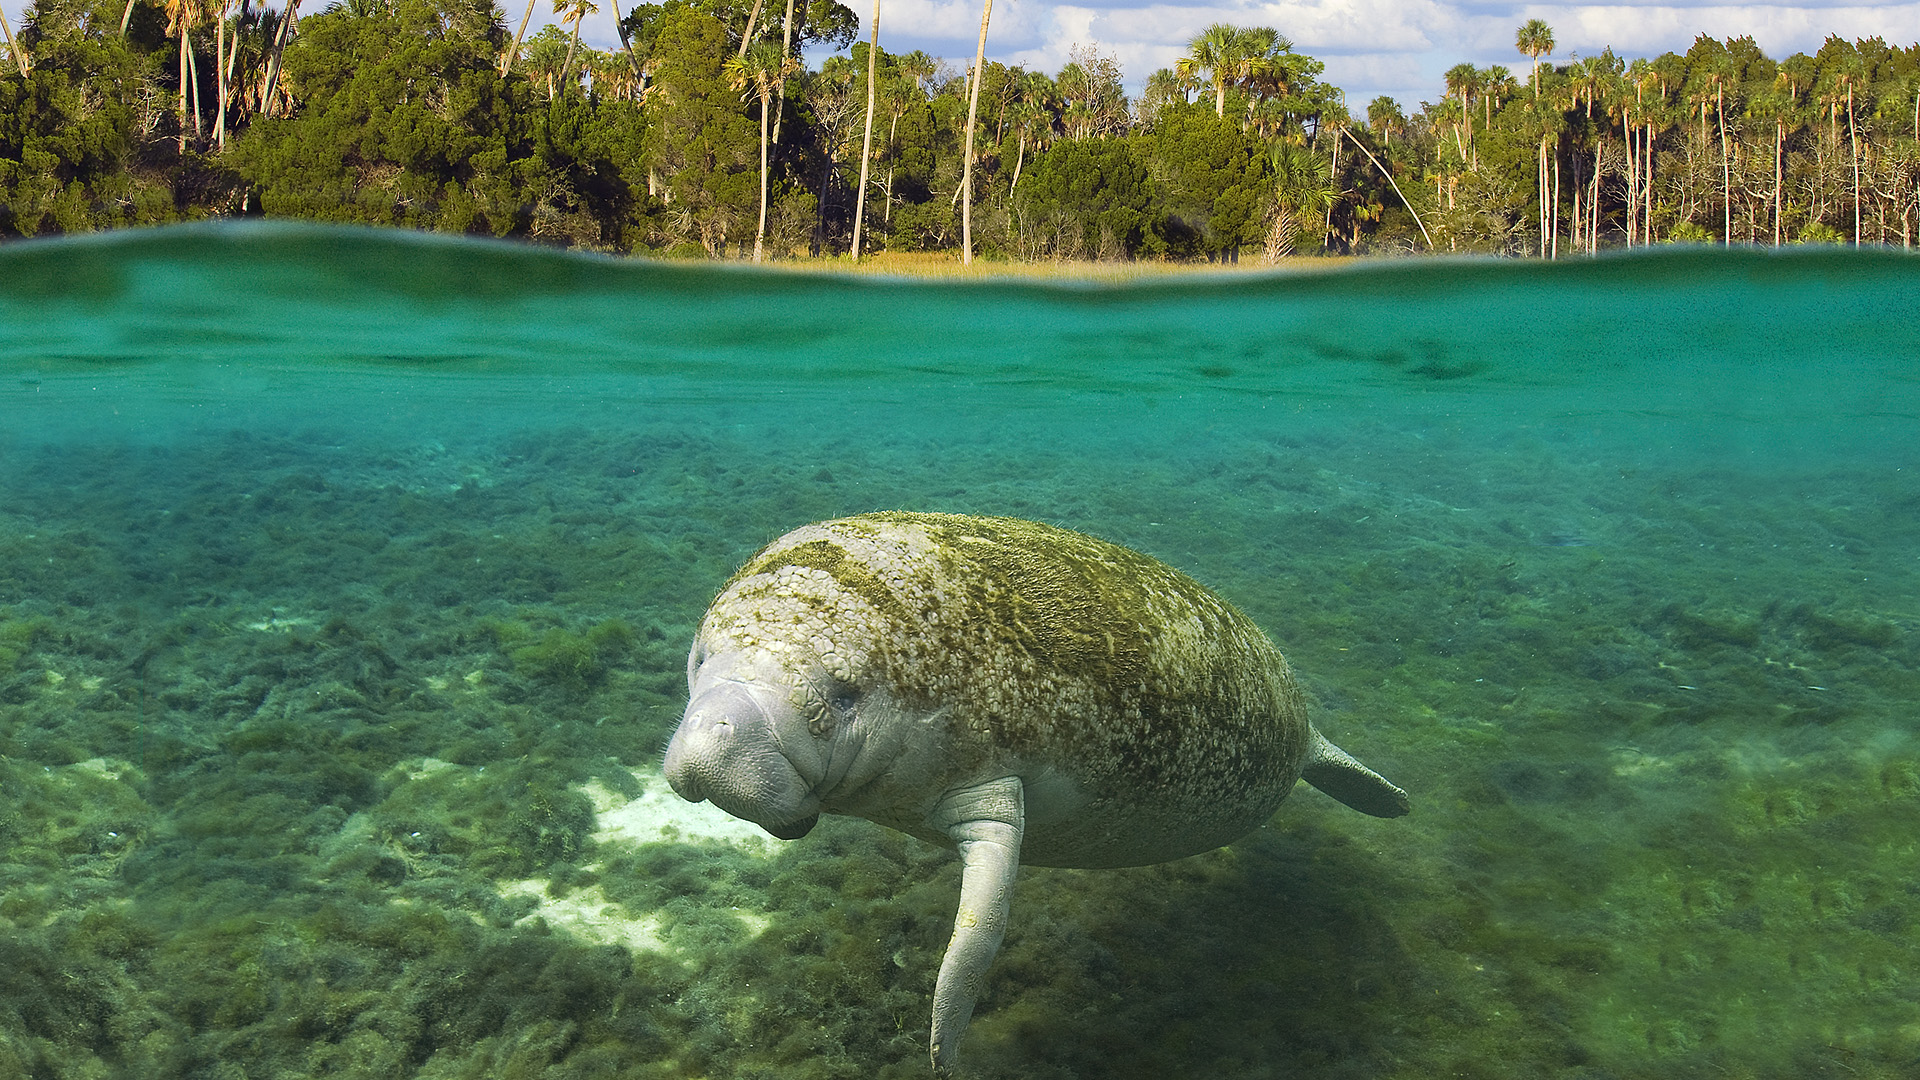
pixel 706 134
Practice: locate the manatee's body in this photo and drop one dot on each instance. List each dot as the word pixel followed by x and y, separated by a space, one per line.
pixel 1025 693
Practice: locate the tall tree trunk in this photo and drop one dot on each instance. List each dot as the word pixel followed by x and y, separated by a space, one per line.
pixel 1629 146
pixel 760 236
pixel 1540 189
pixel 1395 186
pixel 866 140
pixel 1726 170
pixel 753 19
pixel 1646 194
pixel 220 76
pixel 893 132
pixel 20 55
pixel 626 46
pixel 1556 203
pixel 233 53
pixel 780 112
pixel 513 51
pixel 1779 177
pixel 193 65
pixel 1333 175
pixel 973 115
pixel 572 42
pixel 183 87
pixel 280 49
pixel 1853 137
pixel 1593 204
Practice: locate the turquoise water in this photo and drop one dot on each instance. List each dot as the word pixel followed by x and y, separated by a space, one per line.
pixel 346 581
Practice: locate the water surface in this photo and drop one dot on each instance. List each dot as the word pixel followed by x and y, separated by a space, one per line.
pixel 346 580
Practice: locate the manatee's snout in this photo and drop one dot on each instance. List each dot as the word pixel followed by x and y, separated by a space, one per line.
pixel 728 750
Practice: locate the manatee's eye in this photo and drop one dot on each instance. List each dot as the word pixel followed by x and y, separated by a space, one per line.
pixel 825 703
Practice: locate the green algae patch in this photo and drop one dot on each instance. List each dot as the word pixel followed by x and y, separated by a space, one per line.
pixel 567 656
pixel 322 756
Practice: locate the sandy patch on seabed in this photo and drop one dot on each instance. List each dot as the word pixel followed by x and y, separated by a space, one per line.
pixel 657 815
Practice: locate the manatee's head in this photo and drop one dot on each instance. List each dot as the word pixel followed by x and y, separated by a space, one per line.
pixel 745 744
pixel 773 683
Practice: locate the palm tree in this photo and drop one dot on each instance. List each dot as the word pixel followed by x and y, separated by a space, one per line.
pixel 546 53
pixel 280 36
pixel 1032 118
pixel 626 46
pixel 1163 88
pixel 1848 76
pixel 1795 77
pixel 966 168
pixel 1545 120
pixel 1464 81
pixel 1384 117
pixel 1302 186
pixel 1496 84
pixel 181 15
pixel 866 140
pixel 1535 38
pixel 757 72
pixel 572 11
pixel 1619 103
pixel 1719 72
pixel 1213 52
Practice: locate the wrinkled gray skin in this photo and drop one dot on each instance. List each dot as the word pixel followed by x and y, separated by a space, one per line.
pixel 1022 693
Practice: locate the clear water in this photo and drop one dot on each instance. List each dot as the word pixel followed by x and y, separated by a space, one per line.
pixel 346 581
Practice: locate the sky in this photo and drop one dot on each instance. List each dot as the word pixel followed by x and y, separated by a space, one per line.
pixel 1370 47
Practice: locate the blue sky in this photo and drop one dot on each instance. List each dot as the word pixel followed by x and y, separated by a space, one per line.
pixel 1393 47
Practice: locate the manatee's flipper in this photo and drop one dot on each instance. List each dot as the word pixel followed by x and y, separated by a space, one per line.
pixel 986 823
pixel 1334 771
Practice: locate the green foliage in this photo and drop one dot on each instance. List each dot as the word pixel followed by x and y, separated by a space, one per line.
pixel 404 121
pixel 17 637
pixel 701 139
pixel 1087 199
pixel 1216 185
pixel 69 146
pixel 563 656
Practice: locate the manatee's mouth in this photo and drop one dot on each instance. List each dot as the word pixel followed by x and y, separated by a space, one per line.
pixel 793 830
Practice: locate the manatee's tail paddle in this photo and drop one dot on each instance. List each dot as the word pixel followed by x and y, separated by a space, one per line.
pixel 1335 772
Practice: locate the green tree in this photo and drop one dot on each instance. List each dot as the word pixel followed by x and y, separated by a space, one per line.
pixel 71 138
pixel 1303 190
pixel 757 71
pixel 699 152
pixel 1534 38
pixel 400 123
pixel 1213 51
pixel 1088 198
pixel 1215 186
pixel 1464 81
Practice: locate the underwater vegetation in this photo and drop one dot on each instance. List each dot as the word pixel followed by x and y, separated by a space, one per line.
pixel 304 753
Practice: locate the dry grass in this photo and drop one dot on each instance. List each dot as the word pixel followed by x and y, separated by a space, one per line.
pixel 945 265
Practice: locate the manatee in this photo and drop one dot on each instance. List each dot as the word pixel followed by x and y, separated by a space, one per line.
pixel 1018 691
